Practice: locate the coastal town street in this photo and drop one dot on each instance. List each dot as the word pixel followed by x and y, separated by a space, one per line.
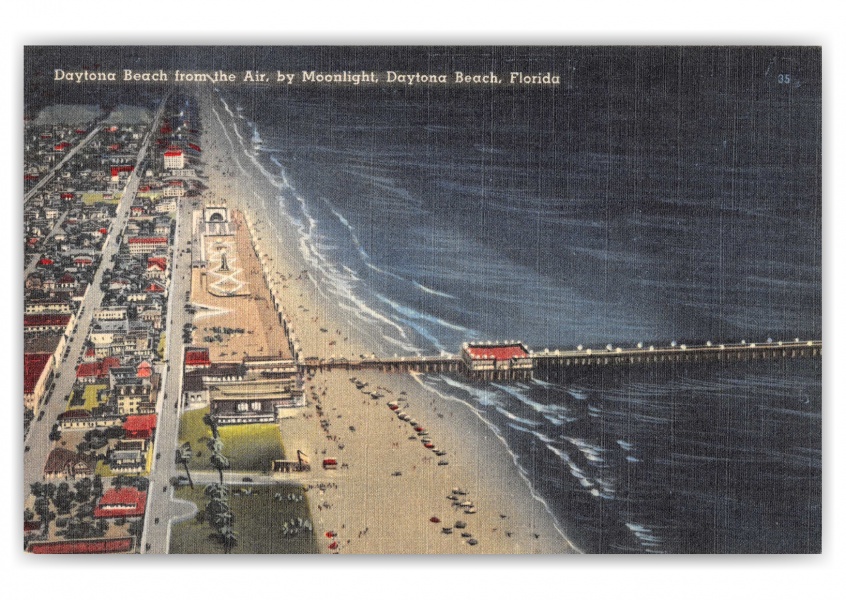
pixel 37 444
pixel 33 262
pixel 44 180
pixel 160 503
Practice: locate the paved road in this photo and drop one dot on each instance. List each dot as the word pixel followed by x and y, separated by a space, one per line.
pixel 37 440
pixel 37 255
pixel 43 181
pixel 160 502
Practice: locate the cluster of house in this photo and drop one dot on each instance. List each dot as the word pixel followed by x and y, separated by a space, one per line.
pixel 45 145
pixel 64 235
pixel 116 386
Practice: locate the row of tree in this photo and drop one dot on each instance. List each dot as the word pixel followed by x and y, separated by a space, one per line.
pixel 217 512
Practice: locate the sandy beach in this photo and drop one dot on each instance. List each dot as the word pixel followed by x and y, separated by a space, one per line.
pixel 389 488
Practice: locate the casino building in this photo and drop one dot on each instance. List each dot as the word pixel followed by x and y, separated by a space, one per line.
pixel 497 360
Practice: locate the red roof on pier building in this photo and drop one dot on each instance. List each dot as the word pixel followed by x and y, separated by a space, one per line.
pixel 498 352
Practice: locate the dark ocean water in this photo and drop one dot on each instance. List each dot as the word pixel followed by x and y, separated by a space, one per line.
pixel 655 195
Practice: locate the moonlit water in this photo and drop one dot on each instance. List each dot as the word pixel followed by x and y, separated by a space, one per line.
pixel 590 215
pixel 657 194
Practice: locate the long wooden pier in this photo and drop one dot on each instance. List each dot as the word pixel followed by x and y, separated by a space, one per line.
pixel 552 363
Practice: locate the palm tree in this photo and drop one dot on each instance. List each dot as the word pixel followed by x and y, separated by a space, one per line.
pixel 229 538
pixel 220 463
pixel 222 519
pixel 183 455
pixel 217 492
pixel 215 445
pixel 209 420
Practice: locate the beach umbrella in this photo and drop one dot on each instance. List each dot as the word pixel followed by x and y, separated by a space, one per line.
pixel 435 520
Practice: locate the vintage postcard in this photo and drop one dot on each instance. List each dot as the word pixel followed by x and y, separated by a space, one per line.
pixel 422 300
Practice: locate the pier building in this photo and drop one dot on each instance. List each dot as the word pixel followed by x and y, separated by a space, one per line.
pixel 497 360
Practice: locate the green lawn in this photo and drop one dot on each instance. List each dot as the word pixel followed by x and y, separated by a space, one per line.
pixel 258 523
pixel 248 447
pixel 89 198
pixel 87 400
pixel 90 395
pixel 162 345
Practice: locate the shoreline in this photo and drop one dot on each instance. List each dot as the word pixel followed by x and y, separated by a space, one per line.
pixel 377 510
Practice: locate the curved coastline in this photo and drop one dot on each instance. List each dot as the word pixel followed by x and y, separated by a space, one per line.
pixel 516 519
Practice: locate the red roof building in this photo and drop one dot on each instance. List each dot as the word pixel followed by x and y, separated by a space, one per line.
pixel 118 169
pixel 197 358
pixel 144 370
pixel 34 366
pixel 495 360
pixel 123 502
pixel 145 245
pixel 45 322
pixel 157 262
pixel 67 281
pixel 174 158
pixel 96 370
pixel 504 352
pixel 102 546
pixel 139 427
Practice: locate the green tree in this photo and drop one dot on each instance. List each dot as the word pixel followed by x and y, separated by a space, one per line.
pixel 50 490
pixel 63 499
pixel 37 489
pixel 83 490
pixel 228 537
pixel 42 506
pixel 210 421
pixel 217 491
pixel 219 462
pixel 97 486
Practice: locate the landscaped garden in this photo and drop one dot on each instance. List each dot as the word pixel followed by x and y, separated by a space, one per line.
pixel 259 519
